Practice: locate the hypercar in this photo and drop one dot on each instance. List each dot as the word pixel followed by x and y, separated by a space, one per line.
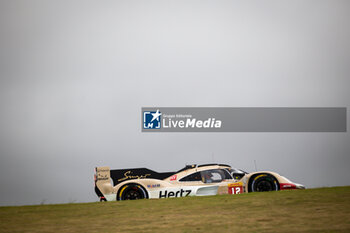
pixel 192 180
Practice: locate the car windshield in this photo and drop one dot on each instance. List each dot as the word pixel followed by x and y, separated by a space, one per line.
pixel 208 176
pixel 215 175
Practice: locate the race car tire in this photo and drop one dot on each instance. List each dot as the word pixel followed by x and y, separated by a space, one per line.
pixel 263 183
pixel 132 192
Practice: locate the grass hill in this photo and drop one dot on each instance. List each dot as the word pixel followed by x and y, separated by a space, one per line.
pixel 310 210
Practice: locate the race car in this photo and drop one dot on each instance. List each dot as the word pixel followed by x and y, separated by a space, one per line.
pixel 192 180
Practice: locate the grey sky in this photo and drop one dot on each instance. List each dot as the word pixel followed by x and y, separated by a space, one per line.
pixel 75 74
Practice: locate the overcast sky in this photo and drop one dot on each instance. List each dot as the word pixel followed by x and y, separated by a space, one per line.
pixel 75 74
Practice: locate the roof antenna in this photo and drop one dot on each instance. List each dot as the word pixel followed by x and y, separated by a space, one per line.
pixel 212 157
pixel 256 169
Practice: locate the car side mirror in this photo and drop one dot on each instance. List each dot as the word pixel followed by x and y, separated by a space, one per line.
pixel 237 176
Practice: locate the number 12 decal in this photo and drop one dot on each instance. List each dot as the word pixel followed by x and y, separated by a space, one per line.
pixel 235 188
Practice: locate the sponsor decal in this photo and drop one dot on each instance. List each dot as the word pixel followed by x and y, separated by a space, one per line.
pixel 152 119
pixel 102 178
pixel 235 188
pixel 174 177
pixel 153 186
pixel 179 193
pixel 103 170
pixel 287 186
pixel 128 175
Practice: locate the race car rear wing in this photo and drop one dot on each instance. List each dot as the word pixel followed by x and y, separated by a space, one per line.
pixel 103 183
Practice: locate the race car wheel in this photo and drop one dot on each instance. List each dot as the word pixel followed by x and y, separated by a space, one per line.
pixel 263 183
pixel 132 192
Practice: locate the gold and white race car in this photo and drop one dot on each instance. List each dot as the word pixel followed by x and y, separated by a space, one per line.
pixel 192 180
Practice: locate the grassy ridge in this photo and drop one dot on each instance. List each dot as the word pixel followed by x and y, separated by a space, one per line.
pixel 310 210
